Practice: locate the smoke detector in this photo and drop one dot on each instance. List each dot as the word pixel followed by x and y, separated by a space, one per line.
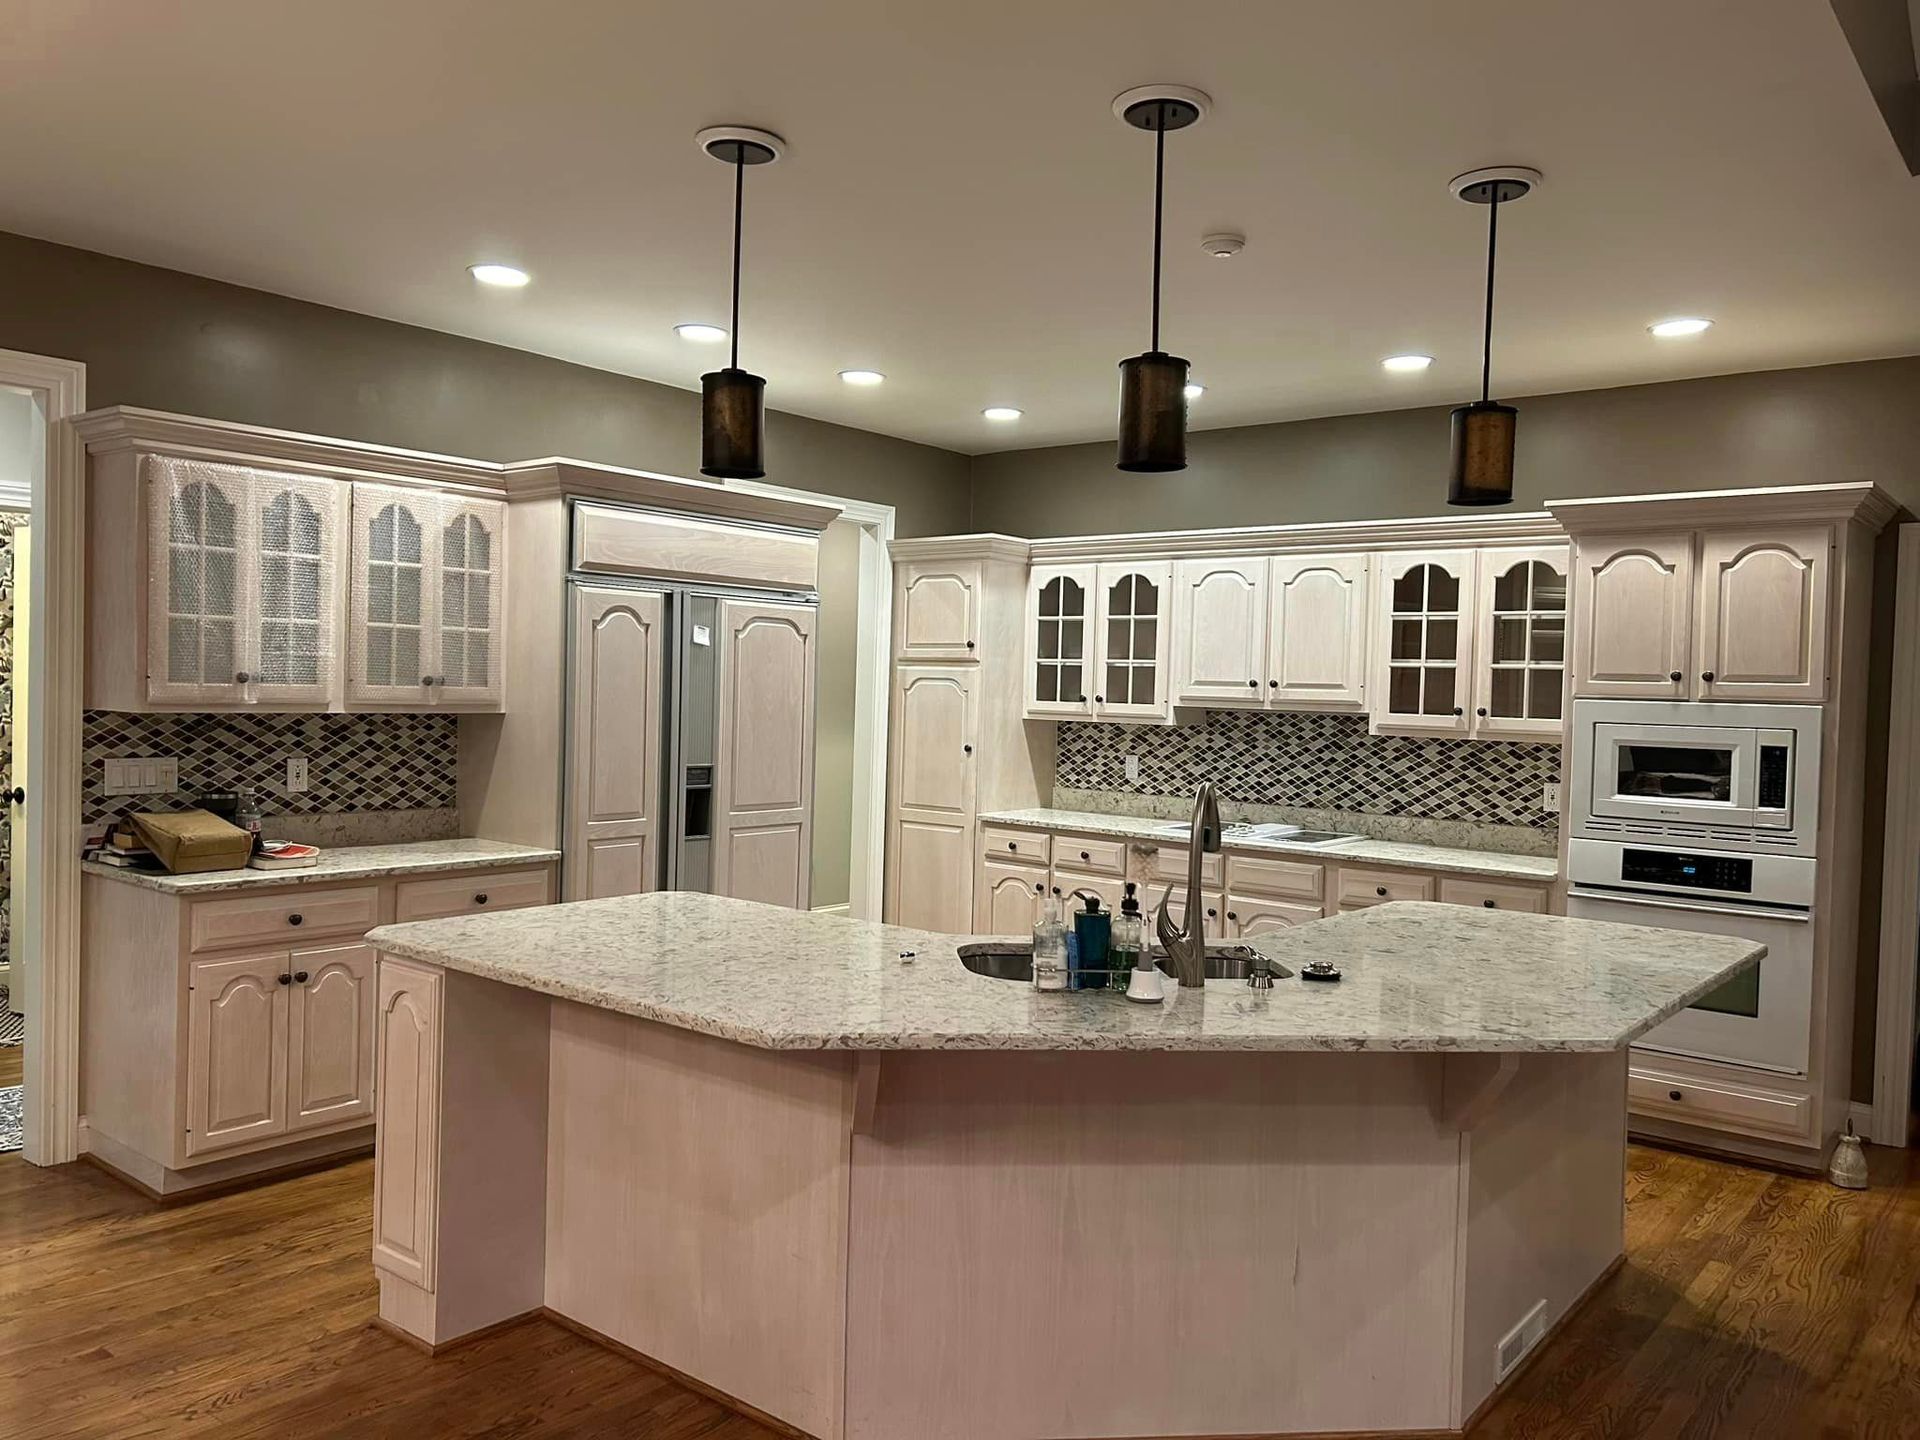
pixel 1224 246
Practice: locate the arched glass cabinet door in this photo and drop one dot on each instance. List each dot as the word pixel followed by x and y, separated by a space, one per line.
pixel 471 574
pixel 1132 630
pixel 1424 606
pixel 292 624
pixel 197 554
pixel 391 655
pixel 1520 676
pixel 1059 640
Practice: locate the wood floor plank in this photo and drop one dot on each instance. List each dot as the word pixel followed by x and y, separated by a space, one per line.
pixel 1752 1305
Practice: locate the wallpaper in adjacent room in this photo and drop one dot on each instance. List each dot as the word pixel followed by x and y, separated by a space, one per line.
pixel 8 519
pixel 355 763
pixel 1316 761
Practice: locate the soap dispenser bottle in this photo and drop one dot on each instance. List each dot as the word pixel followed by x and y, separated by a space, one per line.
pixel 1092 932
pixel 1129 938
pixel 1050 946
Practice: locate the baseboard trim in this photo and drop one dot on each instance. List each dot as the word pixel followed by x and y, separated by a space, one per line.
pixel 229 1184
pixel 428 1347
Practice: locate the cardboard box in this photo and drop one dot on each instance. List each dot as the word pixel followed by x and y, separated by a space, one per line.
pixel 188 842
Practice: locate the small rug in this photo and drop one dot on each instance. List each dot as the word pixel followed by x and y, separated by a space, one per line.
pixel 13 1028
pixel 13 1120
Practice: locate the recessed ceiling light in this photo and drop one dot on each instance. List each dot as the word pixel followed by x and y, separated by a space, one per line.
pixel 1195 390
pixel 1401 363
pixel 1680 325
pixel 1001 412
pixel 504 275
pixel 705 334
pixel 862 377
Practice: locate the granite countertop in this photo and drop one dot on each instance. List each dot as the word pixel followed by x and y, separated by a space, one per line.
pixel 1418 976
pixel 1406 854
pixel 341 862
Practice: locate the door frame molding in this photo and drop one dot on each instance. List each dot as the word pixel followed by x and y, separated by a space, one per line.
pixel 47 872
pixel 873 667
pixel 1893 1047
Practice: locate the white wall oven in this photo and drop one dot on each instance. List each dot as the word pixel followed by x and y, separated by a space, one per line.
pixel 1715 776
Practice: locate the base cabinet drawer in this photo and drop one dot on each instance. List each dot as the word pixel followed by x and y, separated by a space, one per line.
pixel 1494 895
pixel 999 842
pixel 1168 866
pixel 1358 889
pixel 284 917
pixel 1720 1103
pixel 1090 854
pixel 469 894
pixel 1278 879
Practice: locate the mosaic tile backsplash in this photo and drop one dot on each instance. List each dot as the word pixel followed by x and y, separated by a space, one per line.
pixel 355 763
pixel 1316 761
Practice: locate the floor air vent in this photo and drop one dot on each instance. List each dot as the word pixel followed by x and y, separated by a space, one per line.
pixel 1515 1344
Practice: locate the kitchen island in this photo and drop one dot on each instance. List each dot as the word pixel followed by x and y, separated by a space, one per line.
pixel 822 1169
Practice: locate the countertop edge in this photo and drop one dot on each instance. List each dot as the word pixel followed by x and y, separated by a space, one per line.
pixel 218 881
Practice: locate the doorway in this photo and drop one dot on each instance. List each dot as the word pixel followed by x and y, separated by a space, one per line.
pixel 21 437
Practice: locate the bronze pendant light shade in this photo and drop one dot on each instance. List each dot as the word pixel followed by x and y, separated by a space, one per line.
pixel 1153 386
pixel 1480 467
pixel 733 407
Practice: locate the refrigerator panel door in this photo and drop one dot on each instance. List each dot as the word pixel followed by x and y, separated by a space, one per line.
pixel 617 681
pixel 763 783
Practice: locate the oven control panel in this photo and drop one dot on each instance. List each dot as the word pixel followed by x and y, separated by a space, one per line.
pixel 1684 870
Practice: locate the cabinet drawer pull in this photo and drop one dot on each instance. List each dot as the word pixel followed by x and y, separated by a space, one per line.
pixel 295 918
pixel 1013 845
pixel 1379 889
pixel 1489 904
pixel 1675 1095
pixel 299 977
pixel 481 898
pixel 1085 856
pixel 286 979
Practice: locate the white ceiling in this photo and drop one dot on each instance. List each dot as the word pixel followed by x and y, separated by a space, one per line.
pixel 960 209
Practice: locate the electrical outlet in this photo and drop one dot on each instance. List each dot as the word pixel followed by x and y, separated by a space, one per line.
pixel 1133 769
pixel 139 775
pixel 1550 797
pixel 296 774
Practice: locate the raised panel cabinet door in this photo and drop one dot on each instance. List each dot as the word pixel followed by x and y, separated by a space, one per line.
pixel 1520 669
pixel 1261 917
pixel 292 644
pixel 1220 622
pixel 616 684
pixel 1316 655
pixel 1632 616
pixel 1763 614
pixel 1423 642
pixel 469 580
pixel 930 874
pixel 200 580
pixel 763 785
pixel 1069 883
pixel 330 1037
pixel 1008 901
pixel 934 724
pixel 1059 645
pixel 1133 634
pixel 937 610
pixel 1213 905
pixel 406 1173
pixel 392 612
pixel 236 1051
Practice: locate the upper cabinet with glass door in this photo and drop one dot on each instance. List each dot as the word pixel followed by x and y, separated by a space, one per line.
pixel 429 573
pixel 1132 629
pixel 242 601
pixel 1520 669
pixel 1420 684
pixel 1059 641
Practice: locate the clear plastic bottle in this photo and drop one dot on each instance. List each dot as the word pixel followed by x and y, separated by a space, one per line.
pixel 1129 935
pixel 1050 947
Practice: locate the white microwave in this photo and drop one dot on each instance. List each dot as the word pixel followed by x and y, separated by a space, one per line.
pixel 1723 776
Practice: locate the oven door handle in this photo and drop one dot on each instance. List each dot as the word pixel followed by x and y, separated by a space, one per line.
pixel 1751 912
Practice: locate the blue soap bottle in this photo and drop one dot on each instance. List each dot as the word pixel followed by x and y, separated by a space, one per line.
pixel 1092 935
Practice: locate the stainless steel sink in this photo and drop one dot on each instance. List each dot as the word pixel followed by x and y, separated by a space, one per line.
pixel 1265 830
pixel 1013 960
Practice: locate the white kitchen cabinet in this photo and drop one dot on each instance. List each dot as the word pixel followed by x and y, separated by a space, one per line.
pixel 1633 607
pixel 937 610
pixel 1763 614
pixel 930 841
pixel 236 1051
pixel 618 680
pixel 1250 915
pixel 242 599
pixel 1059 656
pixel 1131 636
pixel 1425 638
pixel 1008 896
pixel 1220 613
pixel 1316 653
pixel 1519 671
pixel 763 801
pixel 428 579
pixel 330 1036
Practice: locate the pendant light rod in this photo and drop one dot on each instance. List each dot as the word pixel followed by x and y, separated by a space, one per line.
pixel 739 194
pixel 1480 467
pixel 1486 344
pixel 1159 208
pixel 732 402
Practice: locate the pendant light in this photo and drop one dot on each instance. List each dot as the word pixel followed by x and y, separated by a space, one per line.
pixel 1153 386
pixel 733 402
pixel 1480 471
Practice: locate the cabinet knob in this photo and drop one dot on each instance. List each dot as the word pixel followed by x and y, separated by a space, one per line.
pixel 1675 1095
pixel 1674 675
pixel 18 795
pixel 295 918
pixel 969 644
pixel 481 898
pixel 1481 711
pixel 1707 675
pixel 1458 710
pixel 1254 683
pixel 286 979
pixel 1013 844
pixel 1085 856
pixel 1489 904
pixel 1038 888
pixel 968 749
pixel 242 677
pixel 1099 699
pixel 299 977
pixel 1231 914
pixel 1056 889
pixel 1211 912
pixel 1379 889
pixel 1273 684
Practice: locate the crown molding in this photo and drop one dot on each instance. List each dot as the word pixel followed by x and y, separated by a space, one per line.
pixel 961 547
pixel 1437 532
pixel 157 432
pixel 1858 500
pixel 556 476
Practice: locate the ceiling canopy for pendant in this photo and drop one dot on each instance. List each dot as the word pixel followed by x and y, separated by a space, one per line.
pixel 1480 469
pixel 733 402
pixel 1153 386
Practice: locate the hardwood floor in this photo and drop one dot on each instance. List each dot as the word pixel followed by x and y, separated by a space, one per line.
pixel 1751 1305
pixel 12 1058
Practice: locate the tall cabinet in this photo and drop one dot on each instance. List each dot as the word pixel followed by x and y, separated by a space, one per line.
pixel 957 741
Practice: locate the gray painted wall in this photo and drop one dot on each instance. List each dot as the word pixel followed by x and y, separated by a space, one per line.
pixel 833 682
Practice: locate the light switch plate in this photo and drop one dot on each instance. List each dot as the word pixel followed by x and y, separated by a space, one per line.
pixel 296 774
pixel 140 775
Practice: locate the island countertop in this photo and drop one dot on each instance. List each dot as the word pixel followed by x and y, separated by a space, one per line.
pixel 1418 977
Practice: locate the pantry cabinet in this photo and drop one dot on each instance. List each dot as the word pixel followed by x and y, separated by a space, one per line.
pixel 1717 614
pixel 428 576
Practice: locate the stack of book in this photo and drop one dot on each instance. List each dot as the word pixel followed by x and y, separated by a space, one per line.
pixel 123 849
pixel 284 855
